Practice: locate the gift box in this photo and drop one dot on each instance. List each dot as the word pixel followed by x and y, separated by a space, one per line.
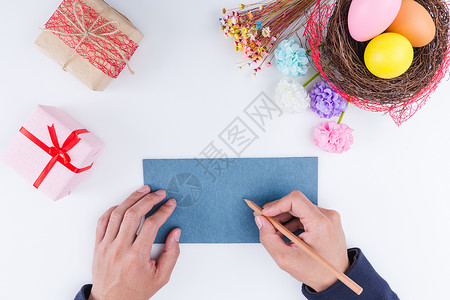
pixel 53 152
pixel 90 40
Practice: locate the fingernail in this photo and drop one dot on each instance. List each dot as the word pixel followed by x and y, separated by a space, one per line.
pixel 266 209
pixel 170 202
pixel 160 192
pixel 258 222
pixel 143 189
pixel 177 235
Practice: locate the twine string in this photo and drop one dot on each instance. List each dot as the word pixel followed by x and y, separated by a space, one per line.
pixel 91 34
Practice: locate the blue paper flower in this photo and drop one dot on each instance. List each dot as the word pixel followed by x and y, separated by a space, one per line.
pixel 325 101
pixel 291 59
pixel 258 25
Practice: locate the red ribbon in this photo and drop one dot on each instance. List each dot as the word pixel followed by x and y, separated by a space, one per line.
pixel 58 154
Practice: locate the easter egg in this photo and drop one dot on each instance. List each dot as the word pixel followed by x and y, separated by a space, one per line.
pixel 369 18
pixel 388 55
pixel 415 23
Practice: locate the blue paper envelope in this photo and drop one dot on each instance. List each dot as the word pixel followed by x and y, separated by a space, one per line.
pixel 210 193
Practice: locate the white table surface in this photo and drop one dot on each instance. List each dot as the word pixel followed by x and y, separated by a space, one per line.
pixel 391 188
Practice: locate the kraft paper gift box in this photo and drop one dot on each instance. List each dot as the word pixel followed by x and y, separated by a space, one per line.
pixel 90 40
pixel 53 152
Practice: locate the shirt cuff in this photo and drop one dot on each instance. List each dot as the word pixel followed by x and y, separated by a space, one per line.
pixel 362 272
pixel 84 293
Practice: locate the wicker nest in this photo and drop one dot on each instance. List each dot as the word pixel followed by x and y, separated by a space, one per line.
pixel 340 59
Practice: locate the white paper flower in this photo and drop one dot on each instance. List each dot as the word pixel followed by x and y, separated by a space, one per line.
pixel 291 96
pixel 252 33
pixel 266 32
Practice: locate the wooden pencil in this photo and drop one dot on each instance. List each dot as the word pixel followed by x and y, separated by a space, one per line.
pixel 305 247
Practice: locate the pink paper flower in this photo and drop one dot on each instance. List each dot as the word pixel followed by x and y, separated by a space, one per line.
pixel 333 137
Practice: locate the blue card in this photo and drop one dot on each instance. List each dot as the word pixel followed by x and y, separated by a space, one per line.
pixel 210 193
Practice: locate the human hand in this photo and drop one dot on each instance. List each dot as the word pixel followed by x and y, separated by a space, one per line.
pixel 122 267
pixel 323 233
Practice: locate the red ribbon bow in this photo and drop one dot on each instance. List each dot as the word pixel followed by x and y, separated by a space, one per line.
pixel 58 154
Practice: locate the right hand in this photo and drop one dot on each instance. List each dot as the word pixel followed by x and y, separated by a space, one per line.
pixel 323 233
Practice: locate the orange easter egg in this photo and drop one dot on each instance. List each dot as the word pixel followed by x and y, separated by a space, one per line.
pixel 415 23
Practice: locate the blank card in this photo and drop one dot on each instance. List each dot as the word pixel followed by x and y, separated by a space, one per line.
pixel 210 193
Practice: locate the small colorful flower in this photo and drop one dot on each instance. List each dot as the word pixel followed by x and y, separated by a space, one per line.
pixel 291 59
pixel 244 30
pixel 224 11
pixel 258 25
pixel 241 6
pixel 266 32
pixel 291 96
pixel 252 33
pixel 325 101
pixel 233 20
pixel 333 137
pixel 250 15
pixel 260 7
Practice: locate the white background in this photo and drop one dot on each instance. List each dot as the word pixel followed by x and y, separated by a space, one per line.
pixel 392 187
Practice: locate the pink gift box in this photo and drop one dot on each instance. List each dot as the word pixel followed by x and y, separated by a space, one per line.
pixel 53 152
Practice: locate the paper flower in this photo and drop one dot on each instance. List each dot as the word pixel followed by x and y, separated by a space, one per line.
pixel 333 137
pixel 291 59
pixel 325 101
pixel 291 96
pixel 266 32
pixel 252 33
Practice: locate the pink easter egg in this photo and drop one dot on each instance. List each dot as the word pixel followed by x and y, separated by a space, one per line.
pixel 369 18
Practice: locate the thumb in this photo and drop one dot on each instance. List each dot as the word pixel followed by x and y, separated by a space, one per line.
pixel 167 260
pixel 269 238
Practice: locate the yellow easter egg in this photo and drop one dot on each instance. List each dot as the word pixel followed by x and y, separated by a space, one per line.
pixel 388 55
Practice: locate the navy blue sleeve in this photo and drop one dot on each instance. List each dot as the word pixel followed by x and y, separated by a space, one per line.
pixel 84 293
pixel 362 272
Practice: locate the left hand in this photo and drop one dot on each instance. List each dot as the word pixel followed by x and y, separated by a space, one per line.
pixel 122 267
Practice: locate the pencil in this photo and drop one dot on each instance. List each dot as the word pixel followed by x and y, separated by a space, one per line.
pixel 305 247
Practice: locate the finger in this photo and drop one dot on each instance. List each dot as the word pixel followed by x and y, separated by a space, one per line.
pixel 167 260
pixel 284 217
pixel 293 225
pixel 133 216
pixel 117 215
pixel 271 241
pixel 298 205
pixel 102 224
pixel 147 235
